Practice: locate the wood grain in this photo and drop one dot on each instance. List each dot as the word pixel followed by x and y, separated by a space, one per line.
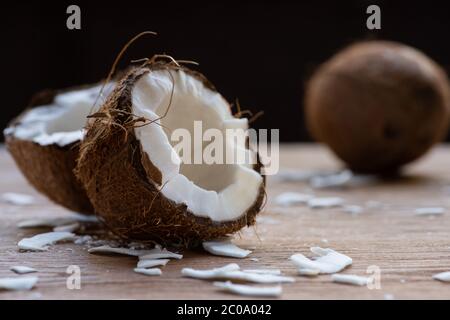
pixel 409 249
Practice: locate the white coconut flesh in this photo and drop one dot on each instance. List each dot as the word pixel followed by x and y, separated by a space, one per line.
pixel 62 121
pixel 221 192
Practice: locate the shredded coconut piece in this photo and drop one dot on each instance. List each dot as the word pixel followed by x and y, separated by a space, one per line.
pixel 160 253
pixel 331 202
pixel 264 271
pixel 246 290
pixel 331 180
pixel 308 272
pixel 430 211
pixel 225 248
pixel 18 199
pixel 68 227
pixel 41 241
pixel 22 269
pixel 143 264
pixel 353 209
pixel 443 276
pixel 56 222
pixel 18 284
pixel 232 272
pixel 287 199
pixel 155 253
pixel 328 261
pixel 148 272
pixel 351 279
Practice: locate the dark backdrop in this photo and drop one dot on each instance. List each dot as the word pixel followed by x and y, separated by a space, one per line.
pixel 261 53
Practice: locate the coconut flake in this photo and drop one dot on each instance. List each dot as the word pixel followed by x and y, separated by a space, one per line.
pixel 56 222
pixel 351 279
pixel 264 271
pixel 41 241
pixel 123 251
pixel 18 199
pixel 18 284
pixel 429 211
pixel 338 179
pixel 225 248
pixel 232 272
pixel 353 209
pixel 148 272
pixel 287 199
pixel 22 269
pixel 330 202
pixel 160 253
pixel 328 261
pixel 443 276
pixel 143 264
pixel 68 227
pixel 308 272
pixel 245 290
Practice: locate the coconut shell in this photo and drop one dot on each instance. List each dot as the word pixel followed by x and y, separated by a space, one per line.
pixel 378 105
pixel 123 185
pixel 50 168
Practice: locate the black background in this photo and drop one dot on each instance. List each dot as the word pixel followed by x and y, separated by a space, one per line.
pixel 261 53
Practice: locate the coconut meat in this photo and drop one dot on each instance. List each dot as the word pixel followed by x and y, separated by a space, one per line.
pixel 62 121
pixel 221 192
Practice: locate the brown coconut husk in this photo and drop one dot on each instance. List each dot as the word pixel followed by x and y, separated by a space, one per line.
pixel 50 168
pixel 378 105
pixel 124 186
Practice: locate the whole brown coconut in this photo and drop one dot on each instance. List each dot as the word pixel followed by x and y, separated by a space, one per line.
pixel 378 105
pixel 125 165
pixel 44 142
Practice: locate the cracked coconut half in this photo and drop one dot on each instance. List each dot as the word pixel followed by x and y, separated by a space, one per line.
pixel 44 142
pixel 137 181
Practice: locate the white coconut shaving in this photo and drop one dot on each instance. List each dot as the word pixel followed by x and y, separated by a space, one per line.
pixel 155 253
pixel 308 272
pixel 18 199
pixel 232 272
pixel 443 276
pixel 287 199
pixel 245 290
pixel 68 227
pixel 148 272
pixel 338 179
pixel 22 269
pixel 353 209
pixel 41 241
pixel 429 211
pixel 18 284
pixel 351 279
pixel 150 263
pixel 56 222
pixel 326 202
pixel 327 261
pixel 264 271
pixel 225 248
pixel 160 253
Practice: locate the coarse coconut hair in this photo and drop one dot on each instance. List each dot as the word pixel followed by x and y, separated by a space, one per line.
pixel 44 142
pixel 126 165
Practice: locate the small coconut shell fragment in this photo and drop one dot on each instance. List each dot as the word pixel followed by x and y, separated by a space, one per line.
pixel 18 199
pixel 225 248
pixel 22 269
pixel 18 284
pixel 41 241
pixel 351 279
pixel 327 261
pixel 443 276
pixel 148 272
pixel 246 290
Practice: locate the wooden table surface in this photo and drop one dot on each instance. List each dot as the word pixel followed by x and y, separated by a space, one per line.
pixel 407 248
